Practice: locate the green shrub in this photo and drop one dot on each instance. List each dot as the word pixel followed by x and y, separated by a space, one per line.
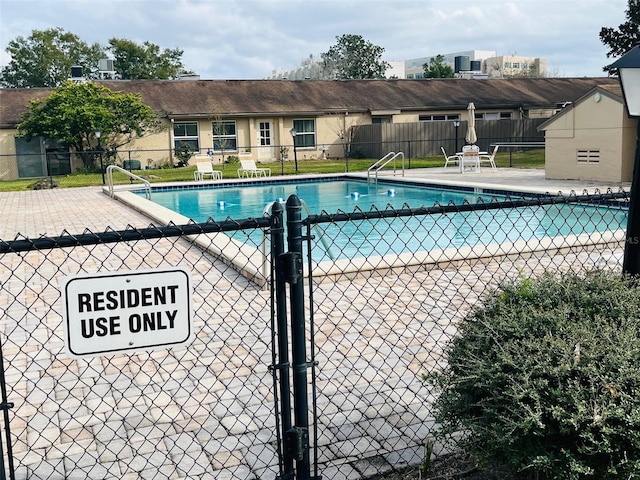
pixel 183 153
pixel 543 380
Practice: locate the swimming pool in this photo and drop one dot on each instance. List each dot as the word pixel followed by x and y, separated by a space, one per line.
pixel 398 236
pixel 243 201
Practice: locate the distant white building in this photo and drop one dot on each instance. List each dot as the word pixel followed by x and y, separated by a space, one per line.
pixel 482 64
pixel 468 61
pixel 515 66
pixel 467 64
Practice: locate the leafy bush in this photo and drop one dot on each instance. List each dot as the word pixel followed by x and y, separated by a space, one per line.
pixel 88 170
pixel 543 379
pixel 183 153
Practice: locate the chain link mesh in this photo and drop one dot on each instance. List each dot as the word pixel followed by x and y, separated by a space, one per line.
pixel 377 331
pixel 387 290
pixel 178 413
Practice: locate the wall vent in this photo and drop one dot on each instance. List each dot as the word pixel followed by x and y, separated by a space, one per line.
pixel 588 156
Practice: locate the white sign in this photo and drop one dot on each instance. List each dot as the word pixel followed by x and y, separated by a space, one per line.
pixel 113 312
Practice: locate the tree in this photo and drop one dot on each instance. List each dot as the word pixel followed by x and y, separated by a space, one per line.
pixel 620 41
pixel 354 58
pixel 45 58
pixel 221 130
pixel 346 127
pixel 183 152
pixel 142 62
pixel 436 68
pixel 74 111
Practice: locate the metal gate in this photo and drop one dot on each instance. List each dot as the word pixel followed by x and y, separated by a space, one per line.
pixel 197 411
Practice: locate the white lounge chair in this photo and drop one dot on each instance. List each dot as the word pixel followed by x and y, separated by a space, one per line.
pixel 470 158
pixel 248 169
pixel 453 159
pixel 204 170
pixel 490 158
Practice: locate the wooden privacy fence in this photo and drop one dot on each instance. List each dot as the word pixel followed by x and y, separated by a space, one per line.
pixel 424 139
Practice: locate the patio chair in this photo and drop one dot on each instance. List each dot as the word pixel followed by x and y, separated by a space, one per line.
pixel 490 158
pixel 453 159
pixel 248 169
pixel 470 158
pixel 204 170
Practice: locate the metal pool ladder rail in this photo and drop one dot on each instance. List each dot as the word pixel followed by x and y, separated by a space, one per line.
pixel 266 211
pixel 383 162
pixel 111 168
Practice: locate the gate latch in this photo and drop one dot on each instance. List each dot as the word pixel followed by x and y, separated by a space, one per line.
pixel 291 266
pixel 298 442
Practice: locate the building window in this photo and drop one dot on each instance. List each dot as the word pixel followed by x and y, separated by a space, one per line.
pixel 306 133
pixel 419 75
pixel 437 118
pixel 516 65
pixel 378 120
pixel 265 134
pixel 588 156
pixel 493 116
pixel 224 135
pixel 507 64
pixel 409 75
pixel 186 132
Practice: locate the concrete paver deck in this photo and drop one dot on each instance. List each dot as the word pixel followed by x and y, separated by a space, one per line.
pixel 209 407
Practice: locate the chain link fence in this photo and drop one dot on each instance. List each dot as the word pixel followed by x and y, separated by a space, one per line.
pixel 384 317
pixel 384 290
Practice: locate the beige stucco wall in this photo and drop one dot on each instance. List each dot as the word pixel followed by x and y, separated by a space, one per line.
pixel 589 125
pixel 155 148
pixel 8 164
pixel 8 159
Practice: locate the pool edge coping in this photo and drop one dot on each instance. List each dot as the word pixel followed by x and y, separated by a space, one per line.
pixel 247 256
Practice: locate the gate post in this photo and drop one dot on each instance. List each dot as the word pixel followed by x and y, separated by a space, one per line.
pixel 5 406
pixel 277 243
pixel 298 437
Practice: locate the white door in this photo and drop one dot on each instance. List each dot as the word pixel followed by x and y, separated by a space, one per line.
pixel 265 140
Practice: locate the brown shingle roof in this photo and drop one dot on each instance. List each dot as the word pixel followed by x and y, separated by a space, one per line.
pixel 192 98
pixel 13 102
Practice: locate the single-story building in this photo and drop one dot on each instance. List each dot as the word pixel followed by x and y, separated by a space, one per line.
pixel 254 118
pixel 592 139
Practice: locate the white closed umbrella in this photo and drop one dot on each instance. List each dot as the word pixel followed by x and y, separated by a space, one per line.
pixel 471 136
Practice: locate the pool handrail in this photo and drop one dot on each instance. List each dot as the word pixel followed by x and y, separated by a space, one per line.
pixel 383 162
pixel 111 168
pixel 326 247
pixel 266 210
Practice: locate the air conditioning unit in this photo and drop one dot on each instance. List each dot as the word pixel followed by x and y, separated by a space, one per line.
pixel 105 65
pixel 76 71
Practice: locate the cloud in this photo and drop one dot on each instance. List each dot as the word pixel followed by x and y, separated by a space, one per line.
pixel 237 39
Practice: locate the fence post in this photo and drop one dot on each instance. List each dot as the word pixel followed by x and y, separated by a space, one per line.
pixel 282 367
pixel 631 259
pixel 5 406
pixel 298 437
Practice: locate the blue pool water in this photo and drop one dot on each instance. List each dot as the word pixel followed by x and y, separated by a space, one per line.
pixel 249 201
pixel 398 235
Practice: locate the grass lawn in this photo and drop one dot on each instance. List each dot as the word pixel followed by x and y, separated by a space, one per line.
pixel 528 159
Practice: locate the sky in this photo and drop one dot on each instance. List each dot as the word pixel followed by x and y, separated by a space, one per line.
pixel 249 39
